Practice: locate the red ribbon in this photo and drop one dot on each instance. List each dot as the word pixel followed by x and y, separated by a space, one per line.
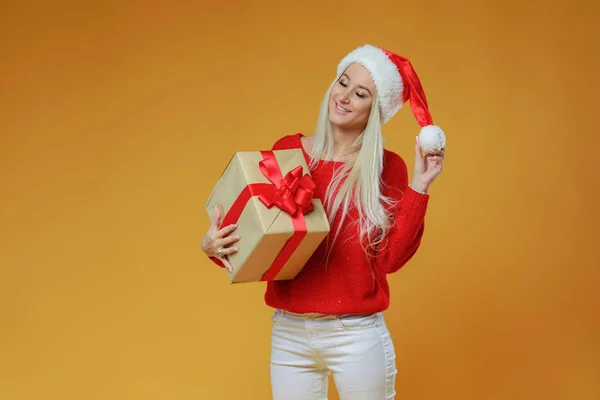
pixel 292 193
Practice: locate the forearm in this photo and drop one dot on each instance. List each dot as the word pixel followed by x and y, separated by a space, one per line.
pixel 404 238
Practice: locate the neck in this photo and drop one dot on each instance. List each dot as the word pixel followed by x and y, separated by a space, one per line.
pixel 342 141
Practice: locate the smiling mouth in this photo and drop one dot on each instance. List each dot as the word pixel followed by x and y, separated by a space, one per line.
pixel 341 109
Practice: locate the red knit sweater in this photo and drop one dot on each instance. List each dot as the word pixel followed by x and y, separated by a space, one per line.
pixel 350 283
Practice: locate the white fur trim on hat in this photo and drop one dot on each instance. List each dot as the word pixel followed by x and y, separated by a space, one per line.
pixel 384 72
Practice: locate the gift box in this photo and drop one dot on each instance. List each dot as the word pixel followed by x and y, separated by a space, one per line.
pixel 269 194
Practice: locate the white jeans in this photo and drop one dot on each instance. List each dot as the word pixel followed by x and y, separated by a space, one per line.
pixel 358 350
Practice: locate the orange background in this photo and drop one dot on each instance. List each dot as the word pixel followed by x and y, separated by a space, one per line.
pixel 116 120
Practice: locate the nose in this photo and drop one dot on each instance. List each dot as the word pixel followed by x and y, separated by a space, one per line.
pixel 345 96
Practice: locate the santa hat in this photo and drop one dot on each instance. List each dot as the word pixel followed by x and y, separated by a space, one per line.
pixel 397 82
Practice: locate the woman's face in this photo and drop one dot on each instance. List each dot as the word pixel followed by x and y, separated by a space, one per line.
pixel 351 99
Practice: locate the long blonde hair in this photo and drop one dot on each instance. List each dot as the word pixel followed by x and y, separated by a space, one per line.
pixel 356 183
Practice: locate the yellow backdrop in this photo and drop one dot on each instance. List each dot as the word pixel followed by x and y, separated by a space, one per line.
pixel 117 119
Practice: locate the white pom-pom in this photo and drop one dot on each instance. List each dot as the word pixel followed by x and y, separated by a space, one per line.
pixel 432 138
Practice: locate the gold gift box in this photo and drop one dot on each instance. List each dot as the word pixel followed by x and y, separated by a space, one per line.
pixel 265 231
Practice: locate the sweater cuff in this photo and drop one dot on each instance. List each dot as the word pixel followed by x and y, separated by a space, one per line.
pixel 414 198
pixel 414 205
pixel 424 193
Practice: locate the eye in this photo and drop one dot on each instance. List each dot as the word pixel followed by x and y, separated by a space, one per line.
pixel 361 95
pixel 343 83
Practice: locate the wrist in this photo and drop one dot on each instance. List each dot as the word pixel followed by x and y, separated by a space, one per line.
pixel 419 187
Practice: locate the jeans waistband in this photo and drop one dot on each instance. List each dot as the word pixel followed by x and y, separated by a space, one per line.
pixel 317 316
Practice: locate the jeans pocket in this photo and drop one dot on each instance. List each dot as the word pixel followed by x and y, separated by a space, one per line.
pixel 350 322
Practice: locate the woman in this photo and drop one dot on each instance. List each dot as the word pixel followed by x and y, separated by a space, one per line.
pixel 329 318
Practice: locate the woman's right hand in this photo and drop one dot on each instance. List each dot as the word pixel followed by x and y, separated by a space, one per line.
pixel 218 239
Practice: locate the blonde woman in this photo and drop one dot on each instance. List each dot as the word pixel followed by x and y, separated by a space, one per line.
pixel 328 320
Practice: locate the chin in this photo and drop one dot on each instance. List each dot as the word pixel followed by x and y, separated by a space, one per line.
pixel 336 119
pixel 336 122
pixel 340 121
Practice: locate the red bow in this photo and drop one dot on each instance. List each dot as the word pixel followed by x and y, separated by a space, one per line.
pixel 291 193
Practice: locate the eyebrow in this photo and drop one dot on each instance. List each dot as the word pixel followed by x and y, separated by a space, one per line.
pixel 360 86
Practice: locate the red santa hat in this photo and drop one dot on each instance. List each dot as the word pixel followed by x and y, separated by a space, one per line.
pixel 397 82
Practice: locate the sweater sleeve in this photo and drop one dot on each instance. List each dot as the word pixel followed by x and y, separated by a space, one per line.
pixel 404 237
pixel 287 142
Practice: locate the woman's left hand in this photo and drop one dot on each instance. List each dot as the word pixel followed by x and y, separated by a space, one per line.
pixel 426 168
